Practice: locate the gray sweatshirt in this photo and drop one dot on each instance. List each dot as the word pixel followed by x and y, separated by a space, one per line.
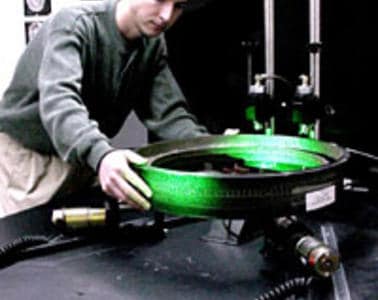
pixel 77 81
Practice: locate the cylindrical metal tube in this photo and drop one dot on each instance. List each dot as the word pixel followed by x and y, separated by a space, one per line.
pixel 269 24
pixel 76 218
pixel 322 259
pixel 315 42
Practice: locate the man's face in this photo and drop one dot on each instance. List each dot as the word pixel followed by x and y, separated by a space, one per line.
pixel 152 17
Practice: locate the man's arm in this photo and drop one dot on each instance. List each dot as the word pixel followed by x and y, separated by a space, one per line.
pixel 77 138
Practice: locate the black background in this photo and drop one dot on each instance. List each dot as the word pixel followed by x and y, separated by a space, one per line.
pixel 210 64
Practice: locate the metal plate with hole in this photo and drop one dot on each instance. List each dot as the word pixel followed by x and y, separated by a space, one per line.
pixel 238 176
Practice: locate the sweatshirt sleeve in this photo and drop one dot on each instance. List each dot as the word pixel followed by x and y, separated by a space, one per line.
pixel 76 138
pixel 167 113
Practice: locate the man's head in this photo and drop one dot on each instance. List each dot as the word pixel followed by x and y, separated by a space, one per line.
pixel 149 18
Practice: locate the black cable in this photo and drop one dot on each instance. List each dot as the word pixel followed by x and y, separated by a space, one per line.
pixel 294 286
pixel 227 228
pixel 367 155
pixel 278 77
pixel 10 251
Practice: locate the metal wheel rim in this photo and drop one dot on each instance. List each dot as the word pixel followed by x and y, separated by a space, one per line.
pixel 205 194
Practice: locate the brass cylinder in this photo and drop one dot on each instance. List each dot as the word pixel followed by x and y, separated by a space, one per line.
pixel 78 218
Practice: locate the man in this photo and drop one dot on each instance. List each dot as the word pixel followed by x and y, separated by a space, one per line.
pixel 73 87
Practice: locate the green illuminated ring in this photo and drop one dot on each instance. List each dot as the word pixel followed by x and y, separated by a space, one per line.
pixel 293 167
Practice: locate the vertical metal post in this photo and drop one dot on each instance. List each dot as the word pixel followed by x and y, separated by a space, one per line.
pixel 269 48
pixel 341 289
pixel 248 48
pixel 315 44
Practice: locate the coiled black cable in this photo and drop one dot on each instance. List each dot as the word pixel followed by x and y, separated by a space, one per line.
pixel 294 286
pixel 10 252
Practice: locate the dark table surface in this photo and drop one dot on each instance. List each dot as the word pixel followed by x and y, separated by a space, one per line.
pixel 181 265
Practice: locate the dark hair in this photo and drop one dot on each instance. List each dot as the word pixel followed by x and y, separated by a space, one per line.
pixel 196 4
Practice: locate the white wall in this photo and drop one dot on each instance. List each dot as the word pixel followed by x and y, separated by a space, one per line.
pixel 12 35
pixel 12 38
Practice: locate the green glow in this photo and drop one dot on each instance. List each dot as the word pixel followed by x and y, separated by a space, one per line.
pixel 284 143
pixel 297 117
pixel 179 193
pixel 250 113
pixel 269 131
pixel 257 125
pixel 193 193
pixel 312 134
pixel 274 159
pixel 307 130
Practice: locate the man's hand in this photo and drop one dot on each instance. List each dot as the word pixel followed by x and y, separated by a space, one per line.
pixel 119 181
